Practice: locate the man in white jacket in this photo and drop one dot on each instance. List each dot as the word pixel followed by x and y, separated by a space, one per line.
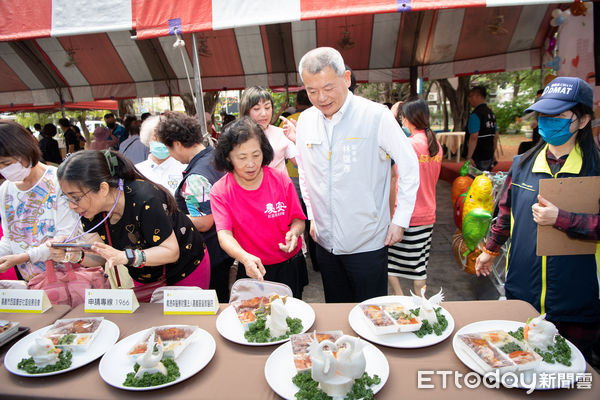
pixel 345 143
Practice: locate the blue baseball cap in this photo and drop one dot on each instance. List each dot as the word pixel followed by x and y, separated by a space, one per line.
pixel 562 94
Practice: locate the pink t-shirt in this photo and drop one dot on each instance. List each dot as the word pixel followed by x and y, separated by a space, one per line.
pixel 429 172
pixel 258 219
pixel 283 148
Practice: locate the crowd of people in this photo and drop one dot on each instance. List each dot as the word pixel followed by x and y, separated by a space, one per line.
pixel 350 178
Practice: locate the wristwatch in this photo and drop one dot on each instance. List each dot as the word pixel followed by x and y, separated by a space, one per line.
pixel 130 254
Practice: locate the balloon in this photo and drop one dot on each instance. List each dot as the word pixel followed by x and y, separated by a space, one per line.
pixel 477 211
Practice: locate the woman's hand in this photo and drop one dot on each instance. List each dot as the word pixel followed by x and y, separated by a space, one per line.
pixel 396 109
pixel 544 212
pixel 289 128
pixel 291 241
pixel 254 267
pixel 9 261
pixel 60 254
pixel 483 264
pixel 110 254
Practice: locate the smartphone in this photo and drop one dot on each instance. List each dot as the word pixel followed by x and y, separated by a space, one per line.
pixel 80 246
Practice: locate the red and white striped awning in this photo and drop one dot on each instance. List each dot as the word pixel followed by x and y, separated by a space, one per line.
pixel 53 50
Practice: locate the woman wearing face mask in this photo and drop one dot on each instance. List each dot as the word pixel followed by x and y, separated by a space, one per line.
pixel 564 287
pixel 138 222
pixel 159 167
pixel 257 104
pixel 33 207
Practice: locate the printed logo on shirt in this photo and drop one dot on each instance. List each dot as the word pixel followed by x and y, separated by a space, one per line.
pixel 276 210
pixel 173 181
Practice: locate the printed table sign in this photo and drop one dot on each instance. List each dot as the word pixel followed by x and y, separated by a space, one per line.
pixel 116 301
pixel 24 301
pixel 189 302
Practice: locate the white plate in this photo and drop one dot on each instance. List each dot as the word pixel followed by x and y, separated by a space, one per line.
pixel 405 340
pixel 106 337
pixel 116 363
pixel 280 369
pixel 230 327
pixel 577 360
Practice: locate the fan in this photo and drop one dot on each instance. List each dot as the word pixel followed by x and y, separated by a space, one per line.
pixel 70 58
pixel 346 43
pixel 496 26
pixel 203 49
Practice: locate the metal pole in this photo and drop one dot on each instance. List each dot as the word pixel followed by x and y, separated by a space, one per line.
pixel 198 86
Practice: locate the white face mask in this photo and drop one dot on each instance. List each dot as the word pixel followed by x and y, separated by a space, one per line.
pixel 15 172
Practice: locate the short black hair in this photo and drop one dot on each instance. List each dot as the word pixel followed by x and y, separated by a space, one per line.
pixel 239 132
pixel 353 84
pixel 540 92
pixel 481 90
pixel 144 116
pixel 176 126
pixel 49 130
pixel 109 115
pixel 16 141
pixel 302 98
pixel 64 122
pixel 37 127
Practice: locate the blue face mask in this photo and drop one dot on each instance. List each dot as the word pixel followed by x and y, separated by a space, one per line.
pixel 555 131
pixel 406 131
pixel 159 150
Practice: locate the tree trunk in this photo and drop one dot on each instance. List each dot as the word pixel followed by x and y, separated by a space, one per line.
pixel 517 84
pixel 210 102
pixel 126 107
pixel 444 108
pixel 458 98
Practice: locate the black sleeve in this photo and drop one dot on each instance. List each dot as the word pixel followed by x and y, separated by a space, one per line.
pixel 155 224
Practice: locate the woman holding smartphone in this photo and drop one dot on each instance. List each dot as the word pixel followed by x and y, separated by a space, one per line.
pixel 34 209
pixel 138 222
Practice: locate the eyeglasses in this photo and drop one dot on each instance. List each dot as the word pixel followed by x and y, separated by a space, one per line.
pixel 76 199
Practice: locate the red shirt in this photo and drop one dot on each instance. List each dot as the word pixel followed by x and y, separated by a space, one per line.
pixel 258 219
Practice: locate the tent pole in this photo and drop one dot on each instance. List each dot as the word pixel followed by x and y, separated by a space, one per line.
pixel 198 86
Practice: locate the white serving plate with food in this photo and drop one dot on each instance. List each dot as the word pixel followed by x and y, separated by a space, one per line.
pixel 404 340
pixel 107 335
pixel 280 369
pixel 116 363
pixel 578 364
pixel 230 327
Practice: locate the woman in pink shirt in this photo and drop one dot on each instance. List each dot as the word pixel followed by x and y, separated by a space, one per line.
pixel 256 209
pixel 409 257
pixel 257 104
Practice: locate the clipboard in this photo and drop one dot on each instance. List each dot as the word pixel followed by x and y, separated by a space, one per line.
pixel 579 195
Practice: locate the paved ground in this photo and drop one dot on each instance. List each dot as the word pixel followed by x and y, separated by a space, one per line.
pixel 442 270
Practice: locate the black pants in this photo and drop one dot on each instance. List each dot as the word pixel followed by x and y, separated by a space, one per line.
pixel 219 279
pixel 352 278
pixel 291 272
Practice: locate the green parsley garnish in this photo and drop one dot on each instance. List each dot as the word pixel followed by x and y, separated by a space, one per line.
pixel 259 333
pixel 309 388
pixel 438 328
pixel 560 352
pixel 64 362
pixel 511 347
pixel 156 379
pixel 67 339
